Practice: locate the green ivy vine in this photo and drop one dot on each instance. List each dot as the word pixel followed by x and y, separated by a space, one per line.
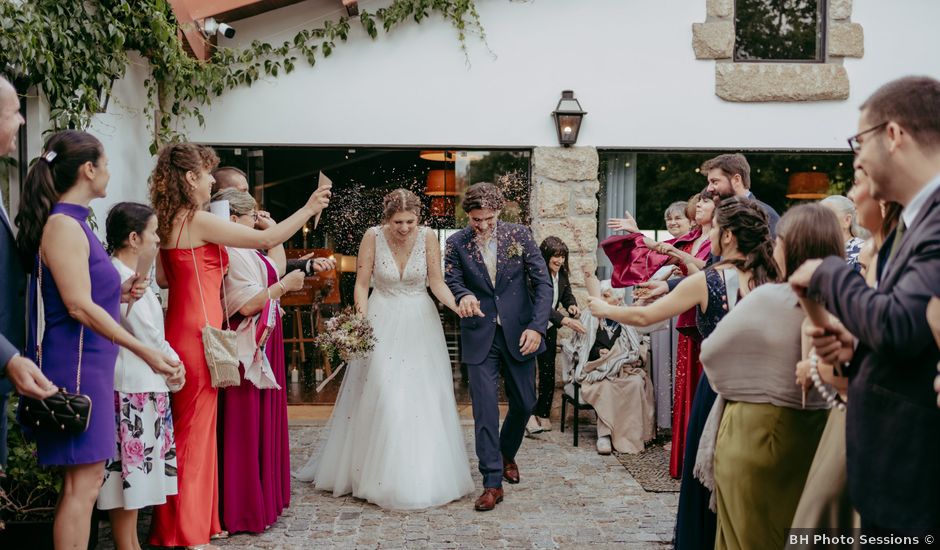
pixel 73 51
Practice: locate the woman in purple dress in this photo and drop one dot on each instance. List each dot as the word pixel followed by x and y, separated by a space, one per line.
pixel 81 293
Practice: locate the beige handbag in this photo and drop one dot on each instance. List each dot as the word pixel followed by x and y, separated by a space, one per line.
pixel 219 345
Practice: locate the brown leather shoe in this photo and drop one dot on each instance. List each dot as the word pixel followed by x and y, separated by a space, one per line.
pixel 489 499
pixel 510 471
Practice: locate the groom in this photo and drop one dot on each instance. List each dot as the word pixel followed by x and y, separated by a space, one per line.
pixel 504 295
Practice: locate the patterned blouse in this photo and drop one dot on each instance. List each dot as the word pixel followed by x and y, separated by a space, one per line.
pixel 852 247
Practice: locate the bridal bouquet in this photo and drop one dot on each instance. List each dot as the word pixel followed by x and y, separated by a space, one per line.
pixel 348 335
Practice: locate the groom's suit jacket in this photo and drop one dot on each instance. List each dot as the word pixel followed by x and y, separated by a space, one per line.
pixel 892 423
pixel 522 296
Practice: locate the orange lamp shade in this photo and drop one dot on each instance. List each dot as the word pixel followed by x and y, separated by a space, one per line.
pixel 441 183
pixel 439 156
pixel 808 186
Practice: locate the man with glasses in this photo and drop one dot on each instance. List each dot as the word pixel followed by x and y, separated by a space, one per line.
pixel 883 339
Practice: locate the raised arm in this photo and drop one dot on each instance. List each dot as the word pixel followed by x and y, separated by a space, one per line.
pixel 208 228
pixel 435 277
pixel 692 291
pixel 591 282
pixel 276 254
pixel 890 321
pixel 65 251
pixel 364 262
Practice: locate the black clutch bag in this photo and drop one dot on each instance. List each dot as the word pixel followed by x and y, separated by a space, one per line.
pixel 63 412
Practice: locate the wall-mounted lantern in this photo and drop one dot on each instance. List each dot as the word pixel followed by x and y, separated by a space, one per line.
pixel 568 116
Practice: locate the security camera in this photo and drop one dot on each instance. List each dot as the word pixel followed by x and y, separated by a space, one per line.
pixel 210 26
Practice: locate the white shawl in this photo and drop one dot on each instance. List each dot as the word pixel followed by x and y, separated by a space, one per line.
pixel 247 276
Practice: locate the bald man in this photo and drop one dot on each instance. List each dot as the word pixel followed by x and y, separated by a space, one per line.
pixel 229 177
pixel 23 373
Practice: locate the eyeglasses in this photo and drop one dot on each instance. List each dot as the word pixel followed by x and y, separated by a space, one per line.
pixel 254 216
pixel 855 144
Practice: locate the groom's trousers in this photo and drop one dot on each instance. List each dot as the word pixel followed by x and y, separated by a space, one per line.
pixel 491 443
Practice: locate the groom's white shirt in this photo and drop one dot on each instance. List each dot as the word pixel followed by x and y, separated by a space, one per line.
pixel 488 250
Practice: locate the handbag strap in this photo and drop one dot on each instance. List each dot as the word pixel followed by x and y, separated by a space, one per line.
pixel 81 332
pixel 202 298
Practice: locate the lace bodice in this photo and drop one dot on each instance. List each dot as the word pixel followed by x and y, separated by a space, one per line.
pixel 413 279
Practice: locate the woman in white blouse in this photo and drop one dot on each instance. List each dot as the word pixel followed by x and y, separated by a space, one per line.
pixel 144 470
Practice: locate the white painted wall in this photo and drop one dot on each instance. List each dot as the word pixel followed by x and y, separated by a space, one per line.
pixel 630 63
pixel 123 133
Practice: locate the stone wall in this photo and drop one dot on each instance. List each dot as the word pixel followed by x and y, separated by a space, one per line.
pixel 564 205
pixel 778 81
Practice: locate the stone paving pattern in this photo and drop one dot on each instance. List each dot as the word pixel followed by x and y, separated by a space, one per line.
pixel 568 498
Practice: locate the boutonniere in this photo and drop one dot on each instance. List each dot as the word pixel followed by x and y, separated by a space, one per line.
pixel 515 250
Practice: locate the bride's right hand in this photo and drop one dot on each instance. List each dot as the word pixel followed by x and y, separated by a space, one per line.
pixel 319 200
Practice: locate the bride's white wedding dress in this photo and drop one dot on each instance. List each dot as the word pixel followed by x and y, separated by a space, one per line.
pixel 394 438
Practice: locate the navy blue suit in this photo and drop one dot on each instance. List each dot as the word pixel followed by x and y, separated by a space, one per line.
pixel 522 299
pixel 892 420
pixel 12 314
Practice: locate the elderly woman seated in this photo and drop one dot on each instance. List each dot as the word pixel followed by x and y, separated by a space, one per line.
pixel 608 363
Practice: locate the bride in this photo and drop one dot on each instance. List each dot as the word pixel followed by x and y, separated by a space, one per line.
pixel 394 438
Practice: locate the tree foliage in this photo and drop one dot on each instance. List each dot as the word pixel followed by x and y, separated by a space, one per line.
pixel 777 30
pixel 73 50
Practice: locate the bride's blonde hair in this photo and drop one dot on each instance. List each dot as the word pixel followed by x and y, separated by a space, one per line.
pixel 400 200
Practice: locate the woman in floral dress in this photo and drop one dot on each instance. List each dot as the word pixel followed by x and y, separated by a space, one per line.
pixel 144 470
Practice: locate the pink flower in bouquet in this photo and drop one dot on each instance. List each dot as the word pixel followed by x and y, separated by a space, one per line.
pixel 133 453
pixel 138 400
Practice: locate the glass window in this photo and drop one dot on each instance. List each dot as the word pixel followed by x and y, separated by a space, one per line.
pixel 281 179
pixel 779 30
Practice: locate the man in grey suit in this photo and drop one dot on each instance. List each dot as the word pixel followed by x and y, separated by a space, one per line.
pixel 883 339
pixel 23 373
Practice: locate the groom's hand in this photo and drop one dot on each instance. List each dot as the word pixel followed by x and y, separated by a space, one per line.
pixel 529 342
pixel 469 306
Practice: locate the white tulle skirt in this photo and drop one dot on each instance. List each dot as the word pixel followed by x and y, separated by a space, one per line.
pixel 394 438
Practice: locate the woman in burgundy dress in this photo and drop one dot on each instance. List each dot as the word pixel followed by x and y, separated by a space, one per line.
pixel 255 451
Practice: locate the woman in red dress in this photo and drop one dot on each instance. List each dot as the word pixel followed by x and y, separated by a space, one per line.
pixel 191 264
pixel 636 259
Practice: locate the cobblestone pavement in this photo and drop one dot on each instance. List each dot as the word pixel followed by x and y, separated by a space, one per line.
pixel 568 498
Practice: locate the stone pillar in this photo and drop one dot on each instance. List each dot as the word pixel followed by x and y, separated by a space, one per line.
pixel 564 205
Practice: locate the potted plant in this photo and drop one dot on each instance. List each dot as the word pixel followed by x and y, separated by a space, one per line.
pixel 28 492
